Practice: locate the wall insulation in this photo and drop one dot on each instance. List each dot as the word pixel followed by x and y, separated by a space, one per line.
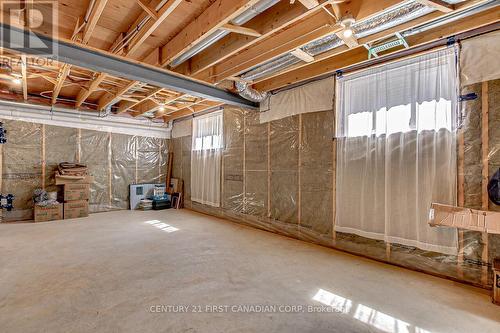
pixel 280 176
pixel 33 151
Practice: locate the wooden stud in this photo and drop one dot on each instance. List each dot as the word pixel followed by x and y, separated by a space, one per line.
pixel 79 145
pixel 299 176
pixel 24 65
pixel 269 169
pixel 461 197
pixel 437 4
pixel 485 172
pixel 43 157
pixel 241 30
pixel 110 170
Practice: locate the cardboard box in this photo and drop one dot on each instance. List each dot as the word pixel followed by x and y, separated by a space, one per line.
pixel 50 213
pixel 464 218
pixel 61 180
pixel 76 192
pixel 76 209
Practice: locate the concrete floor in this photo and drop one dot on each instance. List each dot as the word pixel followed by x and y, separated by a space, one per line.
pixel 127 271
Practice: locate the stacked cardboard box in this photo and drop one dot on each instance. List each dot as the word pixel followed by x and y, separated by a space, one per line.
pixel 75 196
pixel 75 189
pixel 48 213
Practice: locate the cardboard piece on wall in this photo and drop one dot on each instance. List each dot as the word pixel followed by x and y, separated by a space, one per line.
pixel 464 218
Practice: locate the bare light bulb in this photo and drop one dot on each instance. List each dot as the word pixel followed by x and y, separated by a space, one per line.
pixel 348 33
pixel 162 107
pixel 16 81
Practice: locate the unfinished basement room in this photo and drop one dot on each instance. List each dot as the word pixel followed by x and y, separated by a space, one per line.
pixel 250 166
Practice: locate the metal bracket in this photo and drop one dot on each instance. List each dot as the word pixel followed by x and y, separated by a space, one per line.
pixel 375 49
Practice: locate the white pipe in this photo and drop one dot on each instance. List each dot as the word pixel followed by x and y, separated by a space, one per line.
pixel 64 117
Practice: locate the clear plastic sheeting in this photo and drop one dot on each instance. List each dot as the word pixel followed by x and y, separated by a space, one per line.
pixel 114 160
pixel 280 177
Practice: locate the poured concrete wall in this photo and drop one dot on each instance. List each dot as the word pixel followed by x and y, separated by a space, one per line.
pixel 33 151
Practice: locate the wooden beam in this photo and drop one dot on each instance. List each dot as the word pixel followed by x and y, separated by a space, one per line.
pixel 24 76
pixel 150 11
pixel 309 4
pixel 241 30
pixel 214 17
pixel 93 19
pixel 344 57
pixel 315 26
pixel 437 4
pixel 63 74
pixel 152 25
pixel 109 99
pixel 304 56
pixel 274 19
pixel 86 91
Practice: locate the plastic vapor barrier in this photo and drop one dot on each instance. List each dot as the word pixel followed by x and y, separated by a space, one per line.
pixel 114 160
pixel 280 177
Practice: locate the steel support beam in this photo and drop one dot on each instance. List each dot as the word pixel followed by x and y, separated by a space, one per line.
pixel 100 62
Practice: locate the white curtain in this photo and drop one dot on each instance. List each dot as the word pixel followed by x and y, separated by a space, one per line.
pixel 397 150
pixel 206 156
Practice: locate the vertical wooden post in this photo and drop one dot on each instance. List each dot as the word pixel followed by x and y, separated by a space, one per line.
pixel 110 171
pixel 136 156
pixel 244 163
pixel 169 169
pixel 269 169
pixel 44 164
pixel 461 197
pixel 79 145
pixel 299 176
pixel 485 172
pixel 334 187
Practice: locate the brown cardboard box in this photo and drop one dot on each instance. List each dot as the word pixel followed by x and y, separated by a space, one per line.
pixel 76 192
pixel 61 180
pixel 50 213
pixel 76 209
pixel 464 218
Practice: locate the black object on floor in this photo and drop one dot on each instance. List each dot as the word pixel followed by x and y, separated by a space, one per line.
pixel 161 204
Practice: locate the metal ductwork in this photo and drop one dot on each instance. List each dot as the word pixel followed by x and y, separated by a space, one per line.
pixel 219 34
pixel 394 16
pixel 249 93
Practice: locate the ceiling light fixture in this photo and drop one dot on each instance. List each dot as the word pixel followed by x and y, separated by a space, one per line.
pixel 346 24
pixel 16 80
pixel 162 107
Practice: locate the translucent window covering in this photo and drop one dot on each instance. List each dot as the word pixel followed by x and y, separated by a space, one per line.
pixel 206 156
pixel 397 150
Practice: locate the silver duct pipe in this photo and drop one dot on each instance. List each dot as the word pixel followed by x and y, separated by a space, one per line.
pixel 394 16
pixel 219 34
pixel 249 93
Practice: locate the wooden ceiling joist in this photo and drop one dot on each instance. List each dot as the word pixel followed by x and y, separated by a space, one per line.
pixel 202 106
pixel 125 106
pixel 241 30
pixel 304 56
pixel 87 91
pixel 95 15
pixel 438 5
pixel 309 4
pixel 213 18
pixel 350 57
pixel 151 105
pixel 63 74
pixel 150 11
pixel 313 27
pixel 148 29
pixel 271 21
pixel 109 99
